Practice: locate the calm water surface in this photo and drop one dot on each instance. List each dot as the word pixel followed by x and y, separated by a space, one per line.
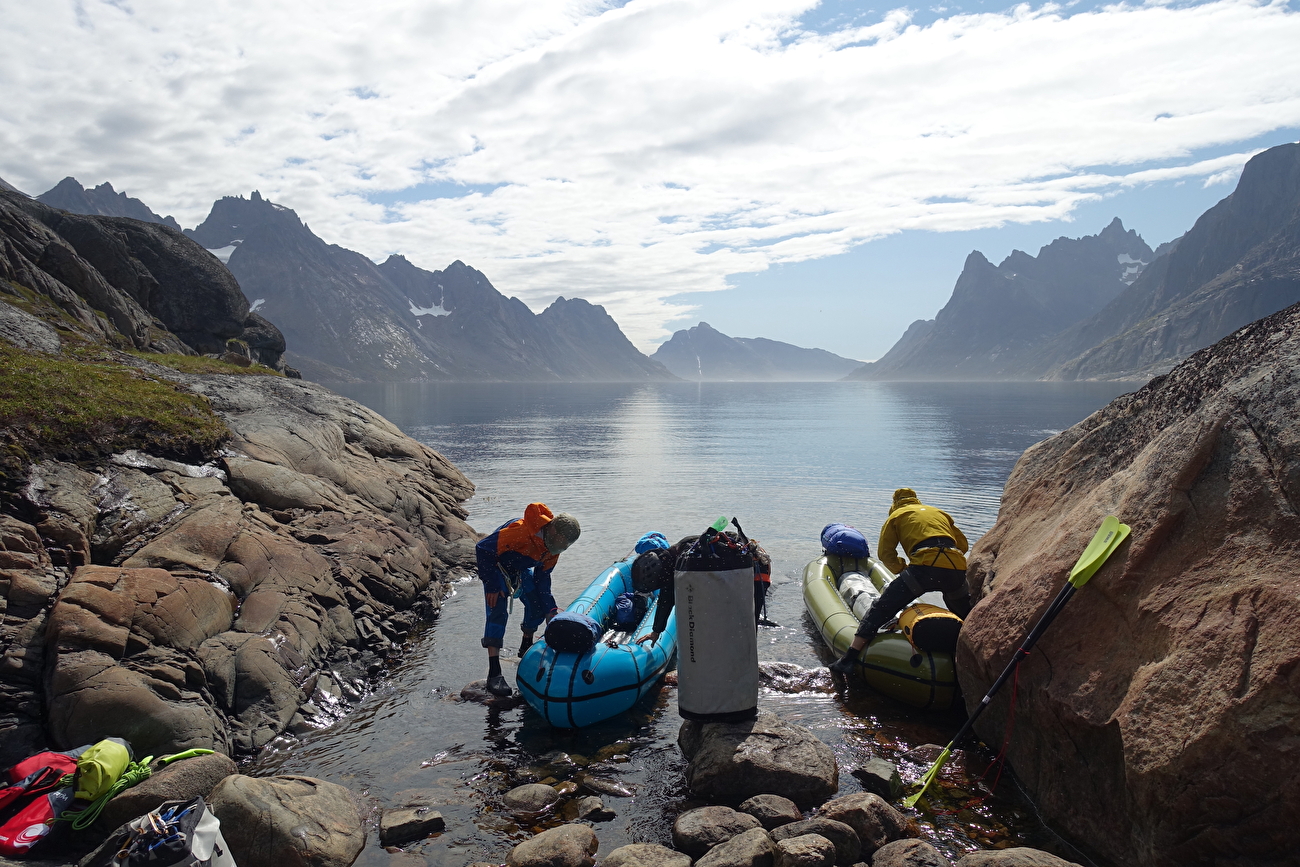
pixel 786 459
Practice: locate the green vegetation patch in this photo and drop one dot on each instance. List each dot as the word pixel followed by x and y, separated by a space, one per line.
pixel 80 410
pixel 199 364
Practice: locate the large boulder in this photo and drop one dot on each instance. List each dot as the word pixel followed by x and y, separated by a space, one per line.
pixel 178 781
pixel 697 831
pixel 874 821
pixel 288 821
pixel 1156 717
pixel 731 762
pixel 565 846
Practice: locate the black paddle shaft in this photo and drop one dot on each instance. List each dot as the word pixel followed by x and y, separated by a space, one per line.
pixel 1021 652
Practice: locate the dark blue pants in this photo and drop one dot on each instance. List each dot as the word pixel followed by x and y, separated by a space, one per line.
pixel 537 600
pixel 908 587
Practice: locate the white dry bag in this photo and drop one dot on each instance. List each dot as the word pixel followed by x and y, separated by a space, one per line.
pixel 717 650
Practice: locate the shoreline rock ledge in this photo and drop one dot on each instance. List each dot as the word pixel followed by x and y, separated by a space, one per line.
pixel 218 606
pixel 1158 718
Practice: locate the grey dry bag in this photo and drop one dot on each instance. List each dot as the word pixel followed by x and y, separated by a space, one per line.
pixel 717 650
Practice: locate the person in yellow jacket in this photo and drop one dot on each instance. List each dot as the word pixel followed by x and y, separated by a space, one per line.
pixel 937 549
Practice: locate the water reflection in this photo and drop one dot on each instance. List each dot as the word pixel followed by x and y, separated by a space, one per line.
pixel 786 458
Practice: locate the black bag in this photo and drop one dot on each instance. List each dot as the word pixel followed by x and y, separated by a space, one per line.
pixel 571 632
pixel 176 834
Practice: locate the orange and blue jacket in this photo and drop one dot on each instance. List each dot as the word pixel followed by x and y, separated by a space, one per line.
pixel 515 548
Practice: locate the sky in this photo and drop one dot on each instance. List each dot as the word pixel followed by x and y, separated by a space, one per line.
pixel 808 172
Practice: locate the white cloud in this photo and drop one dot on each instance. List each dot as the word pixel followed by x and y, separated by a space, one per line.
pixel 632 153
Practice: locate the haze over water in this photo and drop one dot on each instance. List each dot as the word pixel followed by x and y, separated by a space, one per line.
pixel 784 458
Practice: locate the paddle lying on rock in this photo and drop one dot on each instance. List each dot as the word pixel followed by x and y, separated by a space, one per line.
pixel 1103 544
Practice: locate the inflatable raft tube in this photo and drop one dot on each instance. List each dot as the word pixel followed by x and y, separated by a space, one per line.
pixel 889 664
pixel 573 690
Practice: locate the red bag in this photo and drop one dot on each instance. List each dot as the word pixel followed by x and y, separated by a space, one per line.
pixel 34 799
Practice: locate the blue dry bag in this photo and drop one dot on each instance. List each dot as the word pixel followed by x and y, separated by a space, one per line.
pixel 629 608
pixel 845 541
pixel 651 541
pixel 571 632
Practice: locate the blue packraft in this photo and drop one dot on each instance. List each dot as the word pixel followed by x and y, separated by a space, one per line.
pixel 845 541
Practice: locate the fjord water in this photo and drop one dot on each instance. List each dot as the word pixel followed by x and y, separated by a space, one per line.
pixel 784 458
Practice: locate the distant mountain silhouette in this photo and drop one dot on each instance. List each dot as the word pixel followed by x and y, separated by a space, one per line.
pixel 347 319
pixel 102 201
pixel 1107 307
pixel 704 353
pixel 999 317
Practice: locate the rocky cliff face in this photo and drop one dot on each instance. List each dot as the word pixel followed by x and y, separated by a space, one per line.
pixel 704 353
pixel 1157 718
pixel 1000 316
pixel 103 200
pixel 1239 262
pixel 125 282
pixel 347 319
pixel 219 605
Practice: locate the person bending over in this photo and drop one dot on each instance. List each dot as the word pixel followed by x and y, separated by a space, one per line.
pixel 936 547
pixel 656 570
pixel 516 559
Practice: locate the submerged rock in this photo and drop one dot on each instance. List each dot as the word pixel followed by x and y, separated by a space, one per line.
pixel 409 823
pixel 732 762
pixel 531 798
pixel 1157 716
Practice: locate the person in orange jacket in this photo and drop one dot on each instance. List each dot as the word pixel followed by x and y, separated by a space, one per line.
pixel 937 548
pixel 516 559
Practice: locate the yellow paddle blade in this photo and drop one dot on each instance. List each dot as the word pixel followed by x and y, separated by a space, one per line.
pixel 1103 544
pixel 910 800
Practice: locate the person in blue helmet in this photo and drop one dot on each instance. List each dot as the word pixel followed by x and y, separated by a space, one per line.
pixel 516 559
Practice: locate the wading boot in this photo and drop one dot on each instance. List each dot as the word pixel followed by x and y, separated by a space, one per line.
pixel 524 643
pixel 497 686
pixel 844 665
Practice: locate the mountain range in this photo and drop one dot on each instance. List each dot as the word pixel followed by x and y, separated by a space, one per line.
pixel 1106 306
pixel 102 200
pixel 347 319
pixel 704 353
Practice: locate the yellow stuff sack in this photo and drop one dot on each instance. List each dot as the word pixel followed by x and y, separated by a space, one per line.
pixel 99 767
pixel 931 629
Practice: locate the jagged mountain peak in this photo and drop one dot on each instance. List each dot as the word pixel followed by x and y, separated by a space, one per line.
pixel 232 217
pixel 101 201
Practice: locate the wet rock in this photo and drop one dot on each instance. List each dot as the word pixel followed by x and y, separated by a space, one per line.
pixel 531 798
pixel 848 849
pixel 603 786
pixel 908 853
pixel 645 855
pixel 565 846
pixel 880 777
pixel 772 811
pixel 806 850
pixel 477 691
pixel 874 821
pixel 732 762
pixel 409 823
pixel 178 781
pixel 288 821
pixel 697 831
pixel 1159 690
pixel 750 849
pixel 1014 857
pixel 592 809
pixel 568 787
pixel 925 754
pixel 790 678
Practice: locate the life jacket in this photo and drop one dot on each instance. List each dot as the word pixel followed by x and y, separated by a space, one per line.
pixel 929 628
pixel 38 789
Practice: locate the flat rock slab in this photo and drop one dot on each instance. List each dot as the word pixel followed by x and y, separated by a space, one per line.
pixel 409 823
pixel 645 855
pixel 806 850
pixel 875 822
pixel 565 846
pixel 288 821
pixel 1017 857
pixel 848 849
pixel 697 831
pixel 772 811
pixel 753 848
pixel 909 853
pixel 477 691
pixel 732 762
